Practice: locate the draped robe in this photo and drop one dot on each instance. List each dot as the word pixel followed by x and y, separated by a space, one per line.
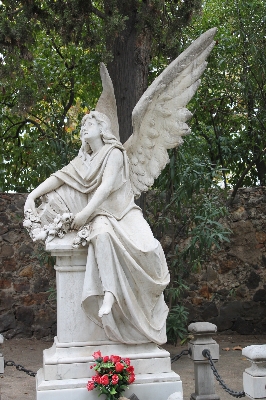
pixel 123 258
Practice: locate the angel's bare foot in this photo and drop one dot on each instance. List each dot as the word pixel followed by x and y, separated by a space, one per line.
pixel 108 302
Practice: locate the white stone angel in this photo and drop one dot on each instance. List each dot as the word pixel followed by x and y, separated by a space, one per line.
pixel 126 266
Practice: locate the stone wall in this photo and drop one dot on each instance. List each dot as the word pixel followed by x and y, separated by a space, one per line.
pixel 230 289
pixel 26 277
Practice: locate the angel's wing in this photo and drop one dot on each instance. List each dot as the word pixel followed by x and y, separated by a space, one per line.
pixel 160 115
pixel 107 103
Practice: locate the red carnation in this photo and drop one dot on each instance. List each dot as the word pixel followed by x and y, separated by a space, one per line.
pixel 119 367
pixel 97 354
pixel 115 359
pixel 127 361
pixel 104 380
pixel 105 359
pixel 131 378
pixel 115 379
pixel 130 369
pixel 96 378
pixel 90 385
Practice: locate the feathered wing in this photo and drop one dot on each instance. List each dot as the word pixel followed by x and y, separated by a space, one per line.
pixel 159 118
pixel 107 103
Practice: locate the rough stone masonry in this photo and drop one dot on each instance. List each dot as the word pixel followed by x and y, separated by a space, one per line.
pixel 27 275
pixel 229 291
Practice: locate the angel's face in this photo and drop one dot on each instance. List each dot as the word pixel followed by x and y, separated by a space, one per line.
pixel 89 132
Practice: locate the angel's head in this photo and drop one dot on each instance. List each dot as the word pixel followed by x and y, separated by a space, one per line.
pixel 99 124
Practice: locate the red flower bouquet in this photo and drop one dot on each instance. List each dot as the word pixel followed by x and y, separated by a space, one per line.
pixel 113 375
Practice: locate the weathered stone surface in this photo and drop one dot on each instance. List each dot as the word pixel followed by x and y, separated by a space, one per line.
pixel 210 310
pixel 256 310
pixel 244 327
pixel 34 299
pixel 243 242
pixel 261 237
pixel 3 220
pixel 41 285
pixel 231 310
pixel 253 280
pixel 45 318
pixel 228 265
pixel 260 295
pixel 25 315
pixel 25 250
pixel 6 301
pixel 3 229
pixel 11 237
pixel 222 323
pixel 7 321
pixel 40 332
pixel 6 250
pixel 9 264
pixel 27 272
pixel 239 214
pixel 261 326
pixel 20 272
pixel 22 286
pixel 241 291
pixel 205 291
pixel 210 274
pixel 5 283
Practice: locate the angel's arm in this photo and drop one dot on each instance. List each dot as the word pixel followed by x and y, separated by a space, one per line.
pixel 51 183
pixel 112 170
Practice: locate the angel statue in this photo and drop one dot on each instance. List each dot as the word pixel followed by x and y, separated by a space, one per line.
pixel 126 271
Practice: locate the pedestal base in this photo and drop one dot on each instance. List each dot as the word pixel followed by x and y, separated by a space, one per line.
pixel 195 396
pixel 66 371
pixel 154 388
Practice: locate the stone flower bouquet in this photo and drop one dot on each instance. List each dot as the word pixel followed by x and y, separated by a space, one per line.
pixel 113 375
pixel 58 228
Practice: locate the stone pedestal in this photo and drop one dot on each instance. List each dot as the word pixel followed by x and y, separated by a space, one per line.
pixel 204 379
pixel 254 377
pixel 66 365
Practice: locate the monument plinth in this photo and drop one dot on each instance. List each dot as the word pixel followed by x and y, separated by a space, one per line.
pixel 66 365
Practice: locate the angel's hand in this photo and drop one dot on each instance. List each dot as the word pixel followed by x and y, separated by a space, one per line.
pixel 30 205
pixel 79 220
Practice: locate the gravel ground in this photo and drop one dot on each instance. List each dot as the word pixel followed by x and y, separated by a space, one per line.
pixel 16 385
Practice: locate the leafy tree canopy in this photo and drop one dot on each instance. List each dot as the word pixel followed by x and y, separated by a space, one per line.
pixel 230 106
pixel 50 54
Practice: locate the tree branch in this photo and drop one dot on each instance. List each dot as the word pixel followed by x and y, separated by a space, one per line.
pixel 36 124
pixel 97 12
pixel 71 96
pixel 58 50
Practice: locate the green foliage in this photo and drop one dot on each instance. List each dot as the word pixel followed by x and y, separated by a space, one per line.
pixel 52 294
pixel 176 324
pixel 230 106
pixel 185 212
pixel 49 77
pixel 187 204
pixel 43 97
pixel 43 257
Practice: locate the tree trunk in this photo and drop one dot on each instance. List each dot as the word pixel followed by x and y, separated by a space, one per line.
pixel 261 169
pixel 129 69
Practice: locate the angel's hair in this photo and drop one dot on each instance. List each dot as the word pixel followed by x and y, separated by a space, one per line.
pixel 105 130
